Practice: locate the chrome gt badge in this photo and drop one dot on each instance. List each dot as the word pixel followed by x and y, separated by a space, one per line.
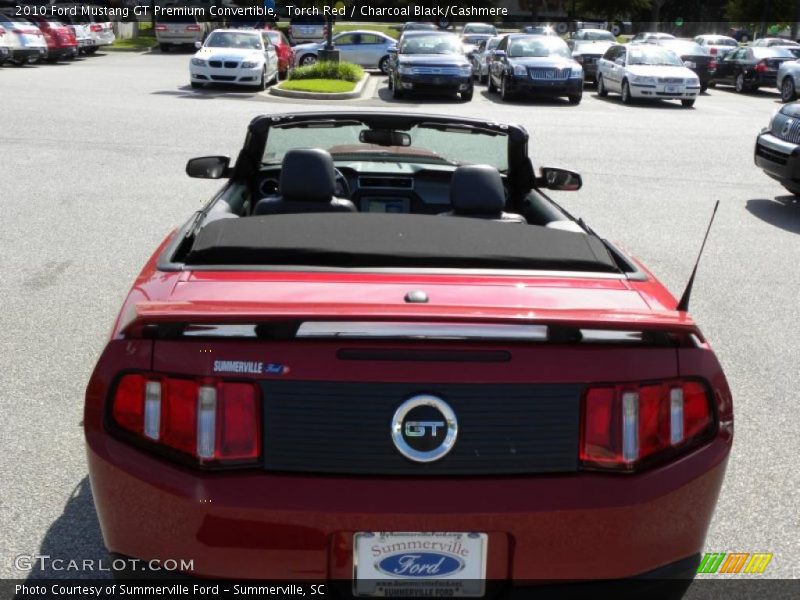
pixel 424 428
pixel 787 127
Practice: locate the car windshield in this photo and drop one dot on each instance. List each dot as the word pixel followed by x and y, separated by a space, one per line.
pixel 430 44
pixel 772 52
pixel 653 55
pixel 429 144
pixel 722 42
pixel 419 27
pixel 228 39
pixel 275 37
pixel 533 46
pixel 474 39
pixel 599 35
pixel 480 29
pixel 684 48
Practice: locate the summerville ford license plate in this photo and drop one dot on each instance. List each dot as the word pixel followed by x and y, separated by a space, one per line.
pixel 428 565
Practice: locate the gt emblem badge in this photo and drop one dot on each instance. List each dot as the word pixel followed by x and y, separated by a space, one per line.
pixel 787 127
pixel 424 428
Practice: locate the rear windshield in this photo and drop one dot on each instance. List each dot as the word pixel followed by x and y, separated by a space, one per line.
pixel 480 29
pixel 228 39
pixel 680 47
pixel 533 46
pixel 599 35
pixel 773 52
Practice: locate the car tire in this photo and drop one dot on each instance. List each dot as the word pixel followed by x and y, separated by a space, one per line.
pixel 625 93
pixel 262 85
pixel 397 93
pixel 703 89
pixel 712 84
pixel 93 49
pixel 788 91
pixel 283 74
pixel 601 87
pixel 196 85
pixel 687 103
pixel 467 96
pixel 383 65
pixel 163 47
pixel 575 99
pixel 794 191
pixel 505 95
pixel 492 88
pixel 483 79
pixel 307 60
pixel 739 84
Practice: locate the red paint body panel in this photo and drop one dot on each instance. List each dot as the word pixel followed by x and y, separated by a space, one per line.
pixel 255 524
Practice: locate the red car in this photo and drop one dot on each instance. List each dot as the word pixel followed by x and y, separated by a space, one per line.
pixel 60 38
pixel 284 50
pixel 381 354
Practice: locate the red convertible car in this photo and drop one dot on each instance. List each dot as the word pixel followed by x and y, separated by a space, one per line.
pixel 383 355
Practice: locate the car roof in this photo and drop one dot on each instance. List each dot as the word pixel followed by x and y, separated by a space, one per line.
pixel 367 31
pixel 240 30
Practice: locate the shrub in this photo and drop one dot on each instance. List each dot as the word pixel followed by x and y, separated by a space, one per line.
pixel 343 71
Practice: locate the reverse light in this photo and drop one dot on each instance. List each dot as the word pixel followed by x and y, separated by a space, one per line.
pixel 624 425
pixel 210 422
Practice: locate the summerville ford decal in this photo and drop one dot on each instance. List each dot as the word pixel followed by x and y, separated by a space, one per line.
pixel 420 564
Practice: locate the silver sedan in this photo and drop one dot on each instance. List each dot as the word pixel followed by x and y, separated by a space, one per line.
pixel 370 49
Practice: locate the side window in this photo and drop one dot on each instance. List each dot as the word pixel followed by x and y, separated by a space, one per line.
pixel 367 38
pixel 503 44
pixel 611 53
pixel 346 39
pixel 266 40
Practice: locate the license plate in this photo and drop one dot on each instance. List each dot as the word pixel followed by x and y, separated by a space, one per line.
pixel 672 89
pixel 391 564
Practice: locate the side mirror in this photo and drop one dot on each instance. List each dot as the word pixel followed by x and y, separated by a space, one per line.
pixel 208 167
pixel 198 45
pixel 564 180
pixel 499 54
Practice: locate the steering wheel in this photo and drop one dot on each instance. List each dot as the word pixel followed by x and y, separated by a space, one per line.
pixel 342 187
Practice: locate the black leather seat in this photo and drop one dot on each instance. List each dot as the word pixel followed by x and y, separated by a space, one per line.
pixel 306 185
pixel 477 191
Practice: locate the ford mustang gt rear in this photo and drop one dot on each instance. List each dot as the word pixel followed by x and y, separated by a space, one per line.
pixel 372 359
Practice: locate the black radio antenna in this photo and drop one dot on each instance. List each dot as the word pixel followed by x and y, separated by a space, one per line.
pixel 683 303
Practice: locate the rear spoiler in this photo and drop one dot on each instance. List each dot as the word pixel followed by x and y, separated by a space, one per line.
pixel 218 312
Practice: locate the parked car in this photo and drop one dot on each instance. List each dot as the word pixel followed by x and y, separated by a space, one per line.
pixel 369 49
pixel 102 32
pixel 307 29
pixel 235 57
pixel 417 26
pixel 481 58
pixel 773 41
pixel 534 64
pixel 694 57
pixel 787 80
pixel 587 52
pixel 431 62
pixel 24 40
pixel 539 30
pixel 471 42
pixel 286 56
pixel 80 25
pixel 751 67
pixel 593 35
pixel 479 28
pixel 646 71
pixel 5 47
pixel 777 149
pixel 650 37
pixel 717 45
pixel 60 38
pixel 182 30
pixel 503 345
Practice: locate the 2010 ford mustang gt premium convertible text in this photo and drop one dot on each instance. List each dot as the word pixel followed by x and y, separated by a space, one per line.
pixel 382 355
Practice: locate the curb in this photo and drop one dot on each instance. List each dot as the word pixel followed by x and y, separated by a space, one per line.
pixel 356 93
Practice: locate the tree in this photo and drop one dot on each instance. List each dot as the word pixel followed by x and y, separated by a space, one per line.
pixel 610 9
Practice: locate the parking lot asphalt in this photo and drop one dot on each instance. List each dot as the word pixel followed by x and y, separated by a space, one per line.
pixel 93 156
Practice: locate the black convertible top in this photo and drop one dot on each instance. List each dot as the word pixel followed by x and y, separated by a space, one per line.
pixel 353 240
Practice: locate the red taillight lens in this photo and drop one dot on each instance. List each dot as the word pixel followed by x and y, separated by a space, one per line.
pixel 623 425
pixel 712 65
pixel 214 422
pixel 96 28
pixel 712 50
pixel 761 66
pixel 193 28
pixel 159 28
pixel 2 31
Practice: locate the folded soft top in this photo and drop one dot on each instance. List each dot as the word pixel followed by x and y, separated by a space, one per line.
pixel 359 240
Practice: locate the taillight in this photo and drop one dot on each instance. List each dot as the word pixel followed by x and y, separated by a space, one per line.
pixel 712 50
pixel 161 27
pixel 2 31
pixel 193 28
pixel 96 28
pixel 712 65
pixel 761 66
pixel 212 422
pixel 627 424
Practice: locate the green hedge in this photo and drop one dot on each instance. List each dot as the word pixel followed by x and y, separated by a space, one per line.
pixel 328 70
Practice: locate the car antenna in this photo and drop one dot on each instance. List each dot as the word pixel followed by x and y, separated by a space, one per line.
pixel 683 303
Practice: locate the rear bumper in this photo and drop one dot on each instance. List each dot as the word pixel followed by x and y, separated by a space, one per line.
pixel 26 54
pixel 258 525
pixel 779 159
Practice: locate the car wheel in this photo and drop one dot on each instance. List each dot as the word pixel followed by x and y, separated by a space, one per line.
pixel 467 96
pixel 739 84
pixel 505 95
pixel 492 87
pixel 703 89
pixel 163 47
pixel 626 92
pixel 576 99
pixel 93 49
pixel 196 85
pixel 384 65
pixel 483 79
pixel 262 85
pixel 397 93
pixel 712 84
pixel 601 87
pixel 794 191
pixel 689 103
pixel 788 91
pixel 283 74
pixel 308 60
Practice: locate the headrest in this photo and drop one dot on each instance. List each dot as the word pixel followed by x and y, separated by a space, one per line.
pixel 307 175
pixel 477 189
